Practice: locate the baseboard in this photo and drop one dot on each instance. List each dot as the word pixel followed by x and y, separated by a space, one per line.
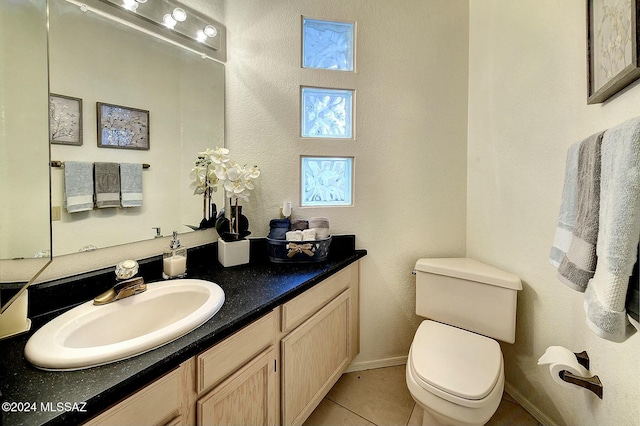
pixel 378 363
pixel 527 405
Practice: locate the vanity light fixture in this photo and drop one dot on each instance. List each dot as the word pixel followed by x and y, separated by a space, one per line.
pixel 180 23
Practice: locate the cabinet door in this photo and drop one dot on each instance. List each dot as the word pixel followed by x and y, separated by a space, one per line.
pixel 248 397
pixel 314 356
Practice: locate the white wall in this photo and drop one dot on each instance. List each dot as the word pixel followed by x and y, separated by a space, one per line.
pixel 410 151
pixel 527 105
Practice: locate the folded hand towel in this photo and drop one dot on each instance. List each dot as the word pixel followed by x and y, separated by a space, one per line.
pixel 131 184
pixel 308 235
pixel 578 265
pixel 78 186
pixel 294 235
pixel 567 215
pixel 618 234
pixel 107 179
pixel 299 225
pixel 278 229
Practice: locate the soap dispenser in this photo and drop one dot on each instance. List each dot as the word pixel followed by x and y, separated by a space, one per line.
pixel 174 260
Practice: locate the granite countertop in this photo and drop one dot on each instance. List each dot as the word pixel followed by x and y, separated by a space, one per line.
pixel 34 397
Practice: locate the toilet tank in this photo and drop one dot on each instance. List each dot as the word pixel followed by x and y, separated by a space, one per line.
pixel 468 294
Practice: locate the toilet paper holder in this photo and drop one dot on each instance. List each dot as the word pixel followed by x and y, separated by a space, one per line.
pixel 590 383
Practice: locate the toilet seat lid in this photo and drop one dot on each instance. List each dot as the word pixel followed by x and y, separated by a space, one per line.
pixel 455 361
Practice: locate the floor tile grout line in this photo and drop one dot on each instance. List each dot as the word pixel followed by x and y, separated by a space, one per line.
pixel 353 412
pixel 410 414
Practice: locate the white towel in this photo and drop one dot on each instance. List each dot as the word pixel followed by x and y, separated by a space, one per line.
pixel 619 232
pixel 294 235
pixel 308 235
pixel 567 215
pixel 78 186
pixel 130 185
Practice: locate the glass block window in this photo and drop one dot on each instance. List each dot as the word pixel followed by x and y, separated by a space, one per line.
pixel 327 113
pixel 327 44
pixel 326 181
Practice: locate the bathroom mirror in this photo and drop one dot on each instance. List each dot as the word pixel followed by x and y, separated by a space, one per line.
pixel 94 59
pixel 25 232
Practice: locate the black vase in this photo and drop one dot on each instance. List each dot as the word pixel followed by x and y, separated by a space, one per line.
pixel 229 233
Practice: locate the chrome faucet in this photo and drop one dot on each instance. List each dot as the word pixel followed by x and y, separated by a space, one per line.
pixel 121 290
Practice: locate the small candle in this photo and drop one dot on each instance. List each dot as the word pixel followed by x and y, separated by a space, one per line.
pixel 175 265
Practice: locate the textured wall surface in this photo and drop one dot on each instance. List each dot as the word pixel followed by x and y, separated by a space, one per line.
pixel 410 146
pixel 527 105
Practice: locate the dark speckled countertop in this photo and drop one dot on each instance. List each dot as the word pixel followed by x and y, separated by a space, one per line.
pixel 250 291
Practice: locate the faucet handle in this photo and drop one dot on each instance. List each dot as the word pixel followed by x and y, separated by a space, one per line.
pixel 126 269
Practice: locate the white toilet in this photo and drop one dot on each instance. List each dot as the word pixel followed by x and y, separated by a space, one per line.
pixel 455 369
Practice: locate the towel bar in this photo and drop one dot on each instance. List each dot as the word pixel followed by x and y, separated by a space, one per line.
pixel 55 163
pixel 590 383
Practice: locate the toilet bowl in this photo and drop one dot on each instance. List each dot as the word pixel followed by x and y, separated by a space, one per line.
pixel 455 368
pixel 455 376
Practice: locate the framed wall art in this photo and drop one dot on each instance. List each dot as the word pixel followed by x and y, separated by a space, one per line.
pixel 122 127
pixel 613 59
pixel 65 120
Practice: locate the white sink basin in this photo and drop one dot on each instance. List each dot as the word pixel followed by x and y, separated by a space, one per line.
pixel 89 335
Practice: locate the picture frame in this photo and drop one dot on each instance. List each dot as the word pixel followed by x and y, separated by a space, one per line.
pixel 65 120
pixel 613 55
pixel 122 127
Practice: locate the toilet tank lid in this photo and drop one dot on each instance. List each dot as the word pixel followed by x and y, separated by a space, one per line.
pixel 469 269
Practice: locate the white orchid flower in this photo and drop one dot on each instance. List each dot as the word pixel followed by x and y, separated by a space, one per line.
pixel 219 155
pixel 215 168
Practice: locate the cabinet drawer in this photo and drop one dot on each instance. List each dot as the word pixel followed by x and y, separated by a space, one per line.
pixel 156 404
pixel 227 356
pixel 296 311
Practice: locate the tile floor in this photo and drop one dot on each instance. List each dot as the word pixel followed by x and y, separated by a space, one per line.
pixel 380 398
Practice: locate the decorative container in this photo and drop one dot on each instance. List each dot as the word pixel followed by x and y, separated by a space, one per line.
pixel 283 251
pixel 233 253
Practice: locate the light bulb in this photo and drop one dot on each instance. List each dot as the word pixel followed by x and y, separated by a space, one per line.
pixel 130 5
pixel 210 31
pixel 201 36
pixel 168 21
pixel 179 14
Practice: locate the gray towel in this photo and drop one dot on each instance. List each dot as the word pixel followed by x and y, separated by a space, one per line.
pixel 618 234
pixel 578 265
pixel 567 215
pixel 131 184
pixel 78 186
pixel 107 179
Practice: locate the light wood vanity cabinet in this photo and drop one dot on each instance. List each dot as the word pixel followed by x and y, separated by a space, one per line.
pixel 237 378
pixel 316 352
pixel 274 371
pixel 159 403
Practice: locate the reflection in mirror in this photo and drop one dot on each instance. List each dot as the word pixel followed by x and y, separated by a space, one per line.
pixel 97 60
pixel 25 233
